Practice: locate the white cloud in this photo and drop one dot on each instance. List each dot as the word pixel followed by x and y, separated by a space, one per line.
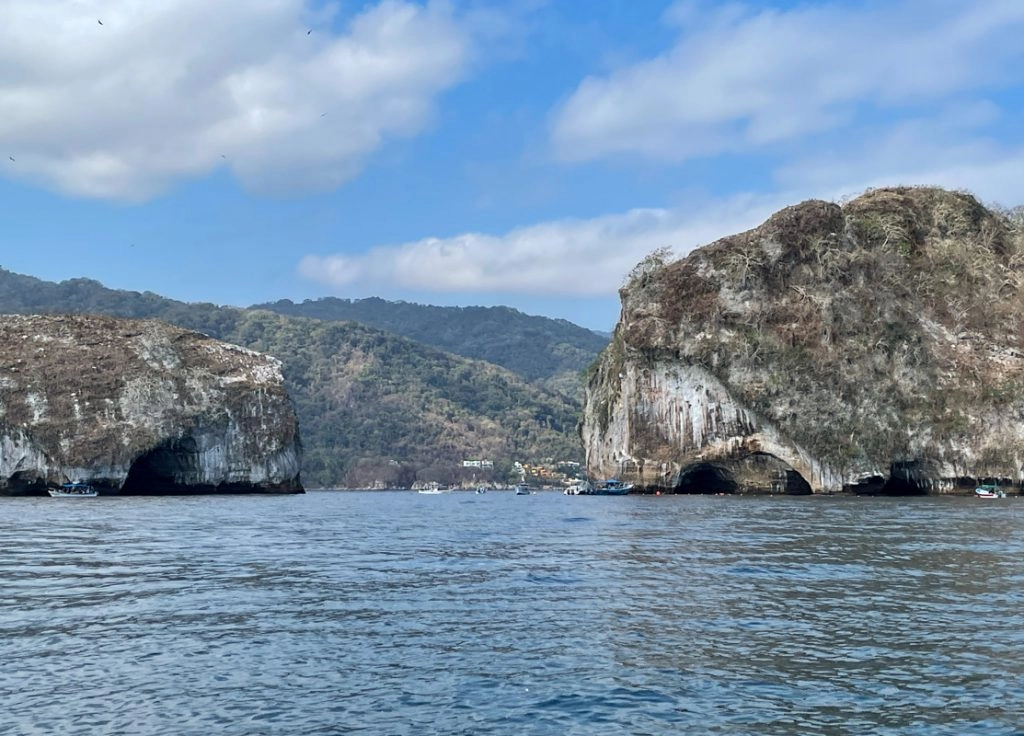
pixel 740 78
pixel 944 150
pixel 592 257
pixel 164 90
pixel 559 258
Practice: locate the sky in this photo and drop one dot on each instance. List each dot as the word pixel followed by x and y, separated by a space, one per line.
pixel 526 153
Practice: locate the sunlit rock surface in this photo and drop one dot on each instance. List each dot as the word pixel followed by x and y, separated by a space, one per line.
pixel 140 407
pixel 873 347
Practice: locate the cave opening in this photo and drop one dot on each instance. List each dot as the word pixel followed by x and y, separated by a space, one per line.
pixel 705 478
pixel 905 479
pixel 26 483
pixel 162 469
pixel 795 484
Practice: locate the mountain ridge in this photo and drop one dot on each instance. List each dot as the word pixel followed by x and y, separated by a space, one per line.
pixel 375 408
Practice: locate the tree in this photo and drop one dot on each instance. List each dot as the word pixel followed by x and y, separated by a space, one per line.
pixel 651 264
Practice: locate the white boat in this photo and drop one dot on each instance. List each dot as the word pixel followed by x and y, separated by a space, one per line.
pixel 432 491
pixel 580 488
pixel 522 490
pixel 481 490
pixel 73 490
pixel 989 492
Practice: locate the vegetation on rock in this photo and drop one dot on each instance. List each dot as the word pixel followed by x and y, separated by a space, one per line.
pixel 881 332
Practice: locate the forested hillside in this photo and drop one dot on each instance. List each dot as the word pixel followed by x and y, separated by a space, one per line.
pixel 372 406
pixel 537 348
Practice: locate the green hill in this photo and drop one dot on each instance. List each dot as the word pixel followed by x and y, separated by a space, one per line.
pixel 373 407
pixel 552 351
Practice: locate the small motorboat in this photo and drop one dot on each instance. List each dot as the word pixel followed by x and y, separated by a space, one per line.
pixel 73 490
pixel 985 491
pixel 432 491
pixel 522 490
pixel 580 488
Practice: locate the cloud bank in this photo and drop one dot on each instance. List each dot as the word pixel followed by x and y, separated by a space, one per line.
pixel 561 258
pixel 847 96
pixel 122 99
pixel 741 78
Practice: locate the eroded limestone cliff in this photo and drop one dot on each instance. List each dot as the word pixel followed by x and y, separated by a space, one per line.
pixel 139 407
pixel 871 347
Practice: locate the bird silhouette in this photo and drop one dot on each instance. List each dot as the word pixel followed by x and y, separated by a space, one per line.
pixel 99 21
pixel 11 158
pixel 309 31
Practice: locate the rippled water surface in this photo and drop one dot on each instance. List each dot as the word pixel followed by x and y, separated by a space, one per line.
pixel 399 613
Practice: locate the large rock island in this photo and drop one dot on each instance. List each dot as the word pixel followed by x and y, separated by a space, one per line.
pixel 138 407
pixel 873 347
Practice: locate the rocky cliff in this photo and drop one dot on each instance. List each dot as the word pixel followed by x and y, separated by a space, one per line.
pixel 139 407
pixel 872 347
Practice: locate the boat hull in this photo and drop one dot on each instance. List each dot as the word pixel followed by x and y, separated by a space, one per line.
pixel 72 494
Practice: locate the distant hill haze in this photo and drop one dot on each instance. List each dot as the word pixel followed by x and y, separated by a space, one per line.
pixel 376 408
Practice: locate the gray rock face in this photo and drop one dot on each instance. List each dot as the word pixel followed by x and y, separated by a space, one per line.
pixel 140 407
pixel 874 347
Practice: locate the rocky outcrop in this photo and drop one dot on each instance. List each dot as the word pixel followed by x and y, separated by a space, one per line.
pixel 140 407
pixel 871 347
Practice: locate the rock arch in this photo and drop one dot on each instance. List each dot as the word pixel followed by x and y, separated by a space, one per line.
pixel 750 472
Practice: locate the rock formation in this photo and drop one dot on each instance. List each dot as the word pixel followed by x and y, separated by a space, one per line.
pixel 139 407
pixel 873 347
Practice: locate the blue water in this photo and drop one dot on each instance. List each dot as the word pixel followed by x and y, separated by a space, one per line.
pixel 399 613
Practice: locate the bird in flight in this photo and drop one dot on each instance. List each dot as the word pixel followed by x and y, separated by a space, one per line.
pixel 99 21
pixel 11 158
pixel 309 31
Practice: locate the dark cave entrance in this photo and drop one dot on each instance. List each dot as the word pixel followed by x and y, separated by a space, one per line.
pixel 25 483
pixel 705 478
pixel 161 469
pixel 905 479
pixel 794 484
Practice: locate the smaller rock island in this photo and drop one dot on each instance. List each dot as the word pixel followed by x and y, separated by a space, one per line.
pixel 140 407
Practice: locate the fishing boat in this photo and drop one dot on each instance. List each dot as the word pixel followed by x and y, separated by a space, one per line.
pixel 73 490
pixel 986 491
pixel 610 487
pixel 522 490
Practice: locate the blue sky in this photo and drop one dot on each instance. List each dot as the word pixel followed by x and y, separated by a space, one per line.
pixel 524 153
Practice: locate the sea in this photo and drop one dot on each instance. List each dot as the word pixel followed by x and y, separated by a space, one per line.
pixel 402 613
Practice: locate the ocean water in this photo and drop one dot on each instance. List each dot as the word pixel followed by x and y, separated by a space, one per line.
pixel 400 613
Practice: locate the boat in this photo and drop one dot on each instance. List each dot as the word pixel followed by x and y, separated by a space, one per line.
pixel 73 490
pixel 986 491
pixel 610 487
pixel 578 489
pixel 522 489
pixel 433 491
pixel 480 490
